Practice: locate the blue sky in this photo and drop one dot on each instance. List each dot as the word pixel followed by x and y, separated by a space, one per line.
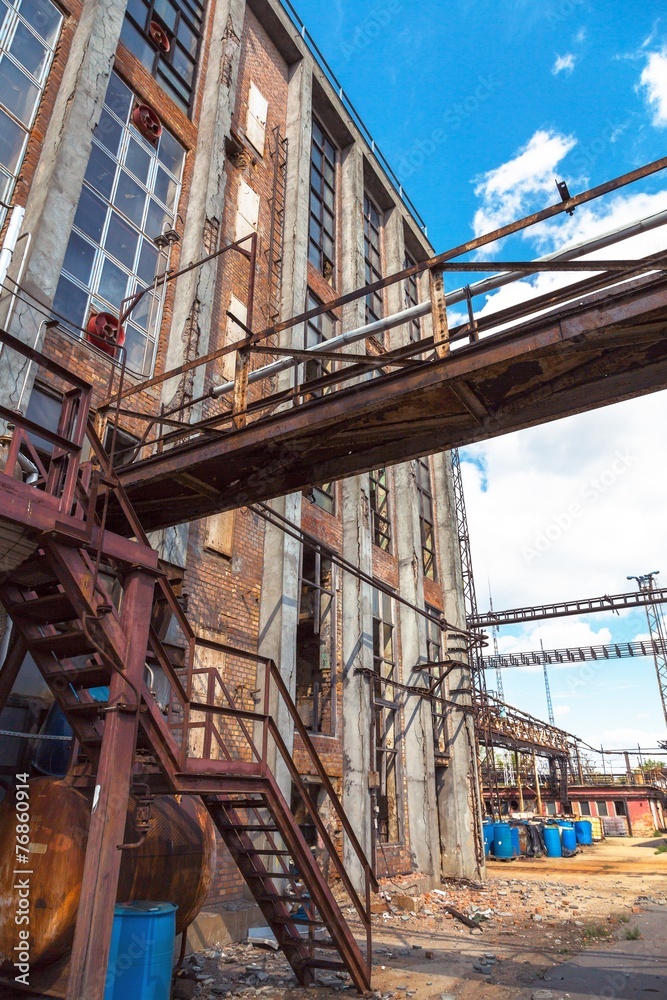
pixel 479 106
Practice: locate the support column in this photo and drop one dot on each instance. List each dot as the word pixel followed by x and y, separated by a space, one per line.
pixel 357 609
pixel 538 791
pixel 54 193
pixel 459 791
pixel 422 807
pixel 282 554
pixel 90 950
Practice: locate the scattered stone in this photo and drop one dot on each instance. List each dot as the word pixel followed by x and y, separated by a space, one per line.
pixel 537 917
pixel 411 903
pixel 184 989
pixel 542 995
pixel 428 954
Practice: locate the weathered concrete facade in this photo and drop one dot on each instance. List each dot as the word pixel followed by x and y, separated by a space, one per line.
pixel 250 584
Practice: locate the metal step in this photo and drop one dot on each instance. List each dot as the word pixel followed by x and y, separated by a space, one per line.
pixel 249 828
pixel 47 610
pixel 304 921
pixel 87 710
pixel 323 963
pixel 94 675
pixel 64 644
pixel 264 852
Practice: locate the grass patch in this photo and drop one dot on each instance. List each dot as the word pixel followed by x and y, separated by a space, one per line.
pixel 624 919
pixel 633 934
pixel 596 932
pixel 662 849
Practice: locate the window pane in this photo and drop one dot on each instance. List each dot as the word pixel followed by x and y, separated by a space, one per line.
pixel 121 240
pixel 156 219
pixel 138 10
pixel 138 160
pixel 167 12
pixel 12 139
pixel 138 45
pixel 147 262
pixel 165 188
pixel 187 39
pixel 19 95
pixel 171 154
pixel 141 314
pixel 90 214
pixel 135 346
pixel 28 50
pixel 130 198
pixel 119 97
pixel 44 17
pixel 109 132
pixel 113 283
pixel 79 258
pixel 100 172
pixel 70 302
pixel 183 65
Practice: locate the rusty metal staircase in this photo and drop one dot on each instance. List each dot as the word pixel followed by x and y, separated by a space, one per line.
pixel 93 609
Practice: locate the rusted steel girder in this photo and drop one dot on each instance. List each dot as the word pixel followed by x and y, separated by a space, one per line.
pixel 593 351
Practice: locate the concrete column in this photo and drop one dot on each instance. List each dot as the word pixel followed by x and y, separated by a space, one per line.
pixel 459 795
pixel 54 194
pixel 190 333
pixel 195 293
pixel 282 554
pixel 357 609
pixel 422 809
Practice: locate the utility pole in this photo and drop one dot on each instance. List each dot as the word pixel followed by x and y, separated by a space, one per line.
pixel 656 627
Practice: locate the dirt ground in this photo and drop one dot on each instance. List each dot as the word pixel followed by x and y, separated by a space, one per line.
pixel 585 928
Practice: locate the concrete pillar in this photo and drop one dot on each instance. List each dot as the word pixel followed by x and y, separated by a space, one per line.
pixel 422 808
pixel 282 554
pixel 194 297
pixel 54 193
pixel 459 794
pixel 357 609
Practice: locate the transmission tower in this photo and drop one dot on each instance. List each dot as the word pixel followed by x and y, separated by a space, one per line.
pixel 657 631
pixel 494 633
pixel 547 688
pixel 470 597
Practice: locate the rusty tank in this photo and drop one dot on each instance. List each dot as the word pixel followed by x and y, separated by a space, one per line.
pixel 175 862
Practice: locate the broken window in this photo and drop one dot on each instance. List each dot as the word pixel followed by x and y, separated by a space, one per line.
pixel 129 196
pixel 585 808
pixel 379 491
pixel 620 807
pixel 322 244
pixel 318 329
pixel 315 643
pixel 28 36
pixel 386 721
pixel 411 290
pixel 426 518
pixel 373 258
pixel 165 36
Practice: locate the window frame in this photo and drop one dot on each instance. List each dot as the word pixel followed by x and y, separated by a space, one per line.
pixel 373 234
pixel 314 333
pixel 387 734
pixel 322 146
pixel 326 595
pixel 12 21
pixel 379 495
pixel 411 298
pixel 192 14
pixel 426 518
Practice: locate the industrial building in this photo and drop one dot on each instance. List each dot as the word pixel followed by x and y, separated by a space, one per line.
pixel 227 579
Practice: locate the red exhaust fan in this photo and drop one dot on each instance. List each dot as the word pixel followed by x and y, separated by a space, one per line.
pixel 147 122
pixel 159 37
pixel 104 332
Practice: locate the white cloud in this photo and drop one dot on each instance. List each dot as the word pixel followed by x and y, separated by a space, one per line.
pixel 580 36
pixel 563 64
pixel 507 192
pixel 654 80
pixel 562 710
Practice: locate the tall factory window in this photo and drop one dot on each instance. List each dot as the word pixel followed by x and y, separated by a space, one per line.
pixel 433 637
pixel 585 808
pixel 602 809
pixel 411 288
pixel 373 257
pixel 379 490
pixel 130 194
pixel 322 245
pixel 318 329
pixel 29 32
pixel 438 705
pixel 426 519
pixel 315 649
pixel 165 36
pixel 386 720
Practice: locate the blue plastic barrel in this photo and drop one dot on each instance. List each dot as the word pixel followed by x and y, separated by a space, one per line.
pixel 584 831
pixel 502 840
pixel 552 842
pixel 569 838
pixel 142 951
pixel 516 843
pixel 488 837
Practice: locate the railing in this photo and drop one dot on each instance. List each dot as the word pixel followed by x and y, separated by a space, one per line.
pixel 219 727
pixel 23 462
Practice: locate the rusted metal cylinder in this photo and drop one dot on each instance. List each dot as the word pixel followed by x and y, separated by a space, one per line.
pixel 175 862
